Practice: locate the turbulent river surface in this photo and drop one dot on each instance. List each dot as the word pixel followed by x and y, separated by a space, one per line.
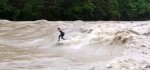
pixel 90 45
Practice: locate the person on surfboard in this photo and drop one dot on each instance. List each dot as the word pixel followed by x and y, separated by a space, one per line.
pixel 61 34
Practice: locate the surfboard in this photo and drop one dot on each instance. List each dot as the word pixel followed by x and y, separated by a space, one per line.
pixel 59 43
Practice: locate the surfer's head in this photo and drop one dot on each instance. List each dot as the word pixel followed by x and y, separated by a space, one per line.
pixel 58 28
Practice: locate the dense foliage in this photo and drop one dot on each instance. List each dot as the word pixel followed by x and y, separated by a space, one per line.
pixel 75 9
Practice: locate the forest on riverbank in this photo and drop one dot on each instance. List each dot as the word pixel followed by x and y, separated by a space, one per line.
pixel 25 10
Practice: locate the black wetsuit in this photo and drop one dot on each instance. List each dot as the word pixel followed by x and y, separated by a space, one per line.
pixel 61 35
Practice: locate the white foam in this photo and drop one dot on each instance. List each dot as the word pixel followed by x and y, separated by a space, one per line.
pixel 89 46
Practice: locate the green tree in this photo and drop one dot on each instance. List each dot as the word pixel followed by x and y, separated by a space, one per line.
pixel 100 12
pixel 78 9
pixel 5 9
pixel 113 10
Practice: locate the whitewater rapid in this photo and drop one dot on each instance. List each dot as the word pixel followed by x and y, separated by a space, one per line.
pixel 90 45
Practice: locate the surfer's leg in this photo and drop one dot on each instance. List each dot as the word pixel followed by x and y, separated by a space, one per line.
pixel 59 37
pixel 62 36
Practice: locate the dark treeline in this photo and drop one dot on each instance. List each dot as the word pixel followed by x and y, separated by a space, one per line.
pixel 75 9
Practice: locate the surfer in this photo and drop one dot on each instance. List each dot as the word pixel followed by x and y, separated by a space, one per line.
pixel 61 34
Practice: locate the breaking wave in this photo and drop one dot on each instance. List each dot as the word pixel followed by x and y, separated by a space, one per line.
pixel 91 44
